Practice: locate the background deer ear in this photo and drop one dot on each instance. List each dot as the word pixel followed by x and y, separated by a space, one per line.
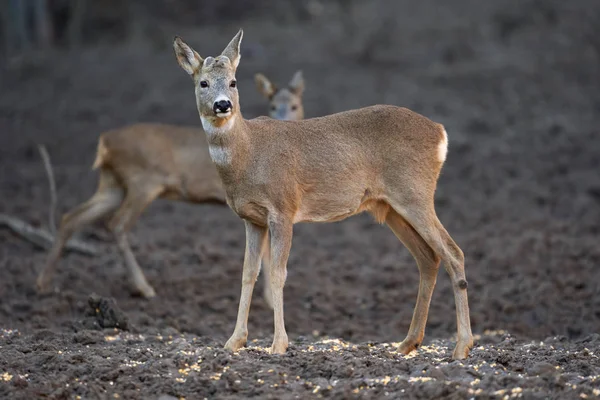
pixel 264 85
pixel 187 58
pixel 297 83
pixel 232 51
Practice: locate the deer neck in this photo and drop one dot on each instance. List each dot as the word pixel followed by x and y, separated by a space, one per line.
pixel 228 143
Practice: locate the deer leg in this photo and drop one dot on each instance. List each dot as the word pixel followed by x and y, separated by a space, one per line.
pixel 266 269
pixel 134 204
pixel 456 270
pixel 101 204
pixel 281 242
pixel 425 221
pixel 428 263
pixel 255 238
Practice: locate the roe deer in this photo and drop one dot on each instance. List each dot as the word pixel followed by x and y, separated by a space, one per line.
pixel 381 159
pixel 142 162
pixel 285 103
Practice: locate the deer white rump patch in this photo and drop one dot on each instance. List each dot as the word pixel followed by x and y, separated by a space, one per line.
pixel 443 147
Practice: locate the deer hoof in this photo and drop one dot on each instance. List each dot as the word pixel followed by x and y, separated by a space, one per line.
pixel 235 343
pixel 279 346
pixel 408 345
pixel 461 351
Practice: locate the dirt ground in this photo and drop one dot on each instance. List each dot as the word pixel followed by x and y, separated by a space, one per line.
pixel 516 84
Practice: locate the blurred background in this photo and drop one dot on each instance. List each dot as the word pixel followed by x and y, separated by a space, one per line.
pixel 515 82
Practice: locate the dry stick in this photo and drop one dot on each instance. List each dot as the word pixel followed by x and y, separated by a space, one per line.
pixel 38 236
pixel 42 238
pixel 52 183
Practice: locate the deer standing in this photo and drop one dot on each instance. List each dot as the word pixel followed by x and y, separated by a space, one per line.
pixel 381 159
pixel 142 162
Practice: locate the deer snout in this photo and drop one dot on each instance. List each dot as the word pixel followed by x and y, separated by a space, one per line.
pixel 222 106
pixel 281 112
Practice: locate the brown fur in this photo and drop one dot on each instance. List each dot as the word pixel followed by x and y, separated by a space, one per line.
pixel 382 159
pixel 138 164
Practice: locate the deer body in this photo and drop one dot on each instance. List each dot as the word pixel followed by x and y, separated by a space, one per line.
pixel 139 153
pixel 328 168
pixel 138 164
pixel 381 159
pixel 142 162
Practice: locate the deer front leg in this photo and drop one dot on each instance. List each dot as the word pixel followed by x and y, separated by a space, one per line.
pixel 266 273
pixel 255 238
pixel 281 241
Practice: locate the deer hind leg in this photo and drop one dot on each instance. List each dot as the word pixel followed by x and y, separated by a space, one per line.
pixel 422 217
pixel 428 262
pixel 136 200
pixel 106 199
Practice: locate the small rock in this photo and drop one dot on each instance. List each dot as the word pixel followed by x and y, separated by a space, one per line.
pixel 437 374
pixel 167 397
pixel 107 313
pixel 542 368
pixel 88 337
pixel 43 335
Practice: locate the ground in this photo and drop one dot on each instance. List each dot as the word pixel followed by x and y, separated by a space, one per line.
pixel 516 85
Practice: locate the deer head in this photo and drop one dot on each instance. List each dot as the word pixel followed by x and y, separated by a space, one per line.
pixel 285 103
pixel 214 80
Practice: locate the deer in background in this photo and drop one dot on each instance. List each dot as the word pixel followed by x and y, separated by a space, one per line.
pixel 142 162
pixel 285 103
pixel 382 159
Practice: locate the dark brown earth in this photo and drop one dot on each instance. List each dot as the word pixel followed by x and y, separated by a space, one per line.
pixel 515 82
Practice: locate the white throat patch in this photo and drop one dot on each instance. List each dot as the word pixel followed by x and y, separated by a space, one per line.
pixel 221 155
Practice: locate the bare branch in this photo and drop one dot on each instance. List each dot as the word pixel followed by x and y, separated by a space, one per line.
pixel 42 238
pixel 52 183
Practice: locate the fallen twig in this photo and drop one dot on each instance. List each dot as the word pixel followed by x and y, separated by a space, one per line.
pixel 39 236
pixel 42 238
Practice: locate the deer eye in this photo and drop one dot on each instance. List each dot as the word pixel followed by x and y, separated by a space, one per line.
pixel 233 84
pixel 273 108
pixel 294 107
pixel 203 84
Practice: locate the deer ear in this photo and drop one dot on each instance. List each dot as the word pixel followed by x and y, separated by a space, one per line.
pixel 297 83
pixel 187 58
pixel 264 85
pixel 232 51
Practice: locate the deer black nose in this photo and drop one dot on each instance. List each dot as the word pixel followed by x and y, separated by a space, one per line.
pixel 222 106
